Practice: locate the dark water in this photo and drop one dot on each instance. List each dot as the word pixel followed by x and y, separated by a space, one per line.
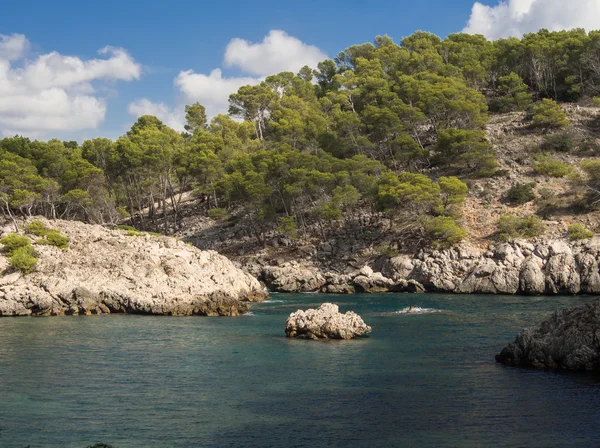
pixel 420 380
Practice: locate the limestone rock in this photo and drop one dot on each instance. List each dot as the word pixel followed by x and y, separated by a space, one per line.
pixel 569 340
pixel 107 271
pixel 325 322
pixel 293 278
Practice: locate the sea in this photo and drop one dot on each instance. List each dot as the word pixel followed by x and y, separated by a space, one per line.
pixel 425 378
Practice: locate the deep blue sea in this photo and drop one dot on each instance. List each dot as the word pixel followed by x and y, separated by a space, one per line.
pixel 420 380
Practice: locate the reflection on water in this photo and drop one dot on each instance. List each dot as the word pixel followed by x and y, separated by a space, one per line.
pixel 423 379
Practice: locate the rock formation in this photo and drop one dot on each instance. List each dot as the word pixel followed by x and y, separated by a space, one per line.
pixel 569 340
pixel 108 271
pixel 517 267
pixel 326 322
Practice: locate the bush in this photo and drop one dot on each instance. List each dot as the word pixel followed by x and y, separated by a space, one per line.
pixel 578 232
pixel 13 242
pixel 37 228
pixel 288 227
pixel 547 166
pixel 217 213
pixel 126 227
pixel 442 231
pixel 510 226
pixel 549 115
pixel 54 238
pixel 521 193
pixel 563 142
pixel 24 259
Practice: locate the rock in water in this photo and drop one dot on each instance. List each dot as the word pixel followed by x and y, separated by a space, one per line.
pixel 325 322
pixel 569 340
pixel 108 271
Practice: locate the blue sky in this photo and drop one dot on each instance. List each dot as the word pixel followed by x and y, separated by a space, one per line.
pixel 166 38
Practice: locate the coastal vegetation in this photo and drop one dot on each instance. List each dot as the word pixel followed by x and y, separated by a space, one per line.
pixel 394 129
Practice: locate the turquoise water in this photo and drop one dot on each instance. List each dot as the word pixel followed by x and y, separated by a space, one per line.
pixel 426 380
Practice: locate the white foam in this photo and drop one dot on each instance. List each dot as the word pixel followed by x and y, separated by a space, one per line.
pixel 249 313
pixel 418 310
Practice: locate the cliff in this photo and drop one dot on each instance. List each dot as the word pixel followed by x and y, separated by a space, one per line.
pixel 113 271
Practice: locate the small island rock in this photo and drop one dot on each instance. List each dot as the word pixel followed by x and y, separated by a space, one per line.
pixel 326 322
pixel 569 340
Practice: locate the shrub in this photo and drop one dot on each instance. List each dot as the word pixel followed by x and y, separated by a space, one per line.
pixel 578 232
pixel 549 115
pixel 547 166
pixel 37 228
pixel 563 142
pixel 442 231
pixel 54 238
pixel 125 227
pixel 217 213
pixel 510 226
pixel 24 259
pixel 134 233
pixel 288 227
pixel 520 193
pixel 596 101
pixel 13 242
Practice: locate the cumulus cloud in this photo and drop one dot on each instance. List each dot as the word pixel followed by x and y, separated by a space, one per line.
pixel 53 92
pixel 213 90
pixel 174 118
pixel 277 52
pixel 13 47
pixel 516 17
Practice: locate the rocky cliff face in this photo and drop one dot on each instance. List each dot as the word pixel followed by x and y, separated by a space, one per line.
pixel 108 271
pixel 518 267
pixel 569 340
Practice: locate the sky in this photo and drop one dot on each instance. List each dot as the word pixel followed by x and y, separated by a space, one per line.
pixel 76 70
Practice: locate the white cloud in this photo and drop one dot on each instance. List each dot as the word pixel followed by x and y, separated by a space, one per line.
pixel 277 52
pixel 516 17
pixel 54 92
pixel 213 90
pixel 175 119
pixel 13 47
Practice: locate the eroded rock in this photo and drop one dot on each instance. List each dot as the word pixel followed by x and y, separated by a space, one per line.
pixel 325 322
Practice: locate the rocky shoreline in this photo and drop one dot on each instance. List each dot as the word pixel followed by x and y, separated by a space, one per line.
pixel 545 267
pixel 115 271
pixel 569 340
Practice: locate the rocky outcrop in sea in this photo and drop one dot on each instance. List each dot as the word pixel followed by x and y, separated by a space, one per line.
pixel 569 340
pixel 325 322
pixel 110 271
pixel 517 267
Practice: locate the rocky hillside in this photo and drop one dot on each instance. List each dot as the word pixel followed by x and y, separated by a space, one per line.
pixel 116 271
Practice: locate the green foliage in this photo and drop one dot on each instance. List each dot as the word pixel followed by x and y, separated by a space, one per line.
pixel 511 226
pixel 13 241
pixel 521 193
pixel 442 231
pixel 54 238
pixel 37 228
pixel 596 101
pixel 563 142
pixel 514 94
pixel 579 232
pixel 217 213
pixel 288 227
pixel 547 166
pixel 23 259
pixel 592 182
pixel 466 151
pixel 549 115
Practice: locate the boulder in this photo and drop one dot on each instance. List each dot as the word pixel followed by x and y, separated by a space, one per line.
pixel 108 271
pixel 325 322
pixel 569 340
pixel 373 283
pixel 293 278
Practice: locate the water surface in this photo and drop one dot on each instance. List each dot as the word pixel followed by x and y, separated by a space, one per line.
pixel 423 380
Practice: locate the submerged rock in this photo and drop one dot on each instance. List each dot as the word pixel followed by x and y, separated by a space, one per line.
pixel 108 271
pixel 569 340
pixel 325 322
